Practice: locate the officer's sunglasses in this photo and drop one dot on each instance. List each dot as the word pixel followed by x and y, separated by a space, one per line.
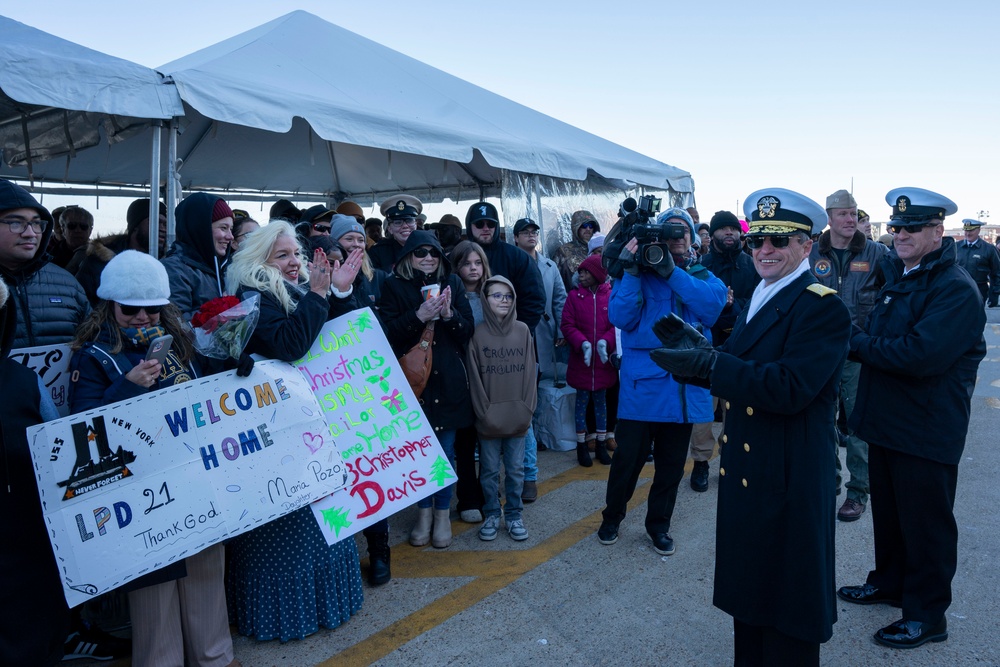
pixel 479 224
pixel 912 229
pixel 756 241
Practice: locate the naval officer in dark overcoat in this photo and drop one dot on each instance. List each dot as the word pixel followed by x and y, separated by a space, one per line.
pixel 919 356
pixel 778 374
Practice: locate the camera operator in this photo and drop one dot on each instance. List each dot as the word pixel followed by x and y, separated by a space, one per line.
pixel 661 276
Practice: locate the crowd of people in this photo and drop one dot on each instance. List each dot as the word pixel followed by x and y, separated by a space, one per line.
pixel 712 322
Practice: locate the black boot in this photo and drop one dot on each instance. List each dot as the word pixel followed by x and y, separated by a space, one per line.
pixel 583 455
pixel 602 453
pixel 378 558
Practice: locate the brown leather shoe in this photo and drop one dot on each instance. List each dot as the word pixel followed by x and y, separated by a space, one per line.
pixel 851 510
pixel 611 444
pixel 592 445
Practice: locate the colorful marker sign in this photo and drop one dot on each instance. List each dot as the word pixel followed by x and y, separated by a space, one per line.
pixel 134 486
pixel 388 448
pixel 51 362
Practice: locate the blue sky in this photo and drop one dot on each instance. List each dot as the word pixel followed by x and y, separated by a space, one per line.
pixel 743 95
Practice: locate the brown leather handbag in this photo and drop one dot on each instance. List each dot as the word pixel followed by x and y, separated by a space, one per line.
pixel 416 363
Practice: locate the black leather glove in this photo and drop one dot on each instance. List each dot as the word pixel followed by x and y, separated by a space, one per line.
pixel 666 267
pixel 627 259
pixel 244 365
pixel 696 363
pixel 676 334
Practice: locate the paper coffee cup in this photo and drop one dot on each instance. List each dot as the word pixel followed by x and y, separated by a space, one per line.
pixel 430 291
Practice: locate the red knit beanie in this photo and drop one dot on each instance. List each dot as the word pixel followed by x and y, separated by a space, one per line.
pixel 593 265
pixel 221 210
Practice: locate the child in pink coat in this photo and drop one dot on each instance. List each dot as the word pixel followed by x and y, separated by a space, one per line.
pixel 591 339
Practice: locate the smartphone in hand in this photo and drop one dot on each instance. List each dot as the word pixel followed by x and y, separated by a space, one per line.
pixel 159 348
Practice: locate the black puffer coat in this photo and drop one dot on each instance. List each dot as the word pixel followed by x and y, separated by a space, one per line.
pixel 50 302
pixel 446 400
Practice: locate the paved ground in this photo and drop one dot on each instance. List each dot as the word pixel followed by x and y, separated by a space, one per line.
pixel 561 598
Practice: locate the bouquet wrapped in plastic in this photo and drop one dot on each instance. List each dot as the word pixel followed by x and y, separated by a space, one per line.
pixel 222 327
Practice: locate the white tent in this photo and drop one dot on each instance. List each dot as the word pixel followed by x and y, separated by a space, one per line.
pixel 299 107
pixel 56 97
pixel 375 120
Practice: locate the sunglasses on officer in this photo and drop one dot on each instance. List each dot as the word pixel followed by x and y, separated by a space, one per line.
pixel 420 253
pixel 132 311
pixel 479 224
pixel 912 229
pixel 756 241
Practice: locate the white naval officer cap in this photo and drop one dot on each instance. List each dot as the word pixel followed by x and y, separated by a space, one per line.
pixel 779 211
pixel 916 206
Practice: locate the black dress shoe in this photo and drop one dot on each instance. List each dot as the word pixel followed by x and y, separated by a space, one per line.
pixel 911 634
pixel 866 594
pixel 663 544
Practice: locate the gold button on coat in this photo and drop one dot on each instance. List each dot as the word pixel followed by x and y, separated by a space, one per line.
pixel 725 438
pixel 750 411
pixel 746 446
pixel 744 482
pixel 727 405
pixel 722 472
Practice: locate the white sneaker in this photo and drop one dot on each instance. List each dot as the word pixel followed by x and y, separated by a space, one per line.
pixel 488 531
pixel 516 530
pixel 471 516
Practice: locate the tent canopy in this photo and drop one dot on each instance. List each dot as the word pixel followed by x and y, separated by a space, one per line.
pixel 300 106
pixel 353 92
pixel 56 96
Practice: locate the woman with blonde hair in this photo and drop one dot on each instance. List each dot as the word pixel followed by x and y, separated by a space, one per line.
pixel 284 582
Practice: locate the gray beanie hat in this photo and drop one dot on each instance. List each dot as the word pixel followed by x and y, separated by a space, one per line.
pixel 133 278
pixel 341 224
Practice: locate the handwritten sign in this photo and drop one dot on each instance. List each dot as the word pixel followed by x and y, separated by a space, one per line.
pixel 133 486
pixel 51 363
pixel 389 450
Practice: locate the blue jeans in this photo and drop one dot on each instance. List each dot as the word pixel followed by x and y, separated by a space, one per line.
pixel 489 475
pixel 441 500
pixel 530 455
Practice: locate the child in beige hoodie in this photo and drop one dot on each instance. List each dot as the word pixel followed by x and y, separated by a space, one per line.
pixel 502 371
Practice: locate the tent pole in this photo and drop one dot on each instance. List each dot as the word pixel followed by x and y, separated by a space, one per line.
pixel 538 200
pixel 172 181
pixel 154 193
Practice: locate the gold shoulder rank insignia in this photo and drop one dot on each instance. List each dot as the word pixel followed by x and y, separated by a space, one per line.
pixel 821 290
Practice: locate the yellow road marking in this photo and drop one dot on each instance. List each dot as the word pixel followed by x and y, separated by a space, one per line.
pixel 492 571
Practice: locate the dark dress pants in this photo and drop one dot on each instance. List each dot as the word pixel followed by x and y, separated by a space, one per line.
pixel 758 646
pixel 916 536
pixel 670 447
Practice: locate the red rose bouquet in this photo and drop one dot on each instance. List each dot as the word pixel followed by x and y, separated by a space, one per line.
pixel 222 327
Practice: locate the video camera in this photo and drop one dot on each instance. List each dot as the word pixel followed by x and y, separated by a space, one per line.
pixel 636 223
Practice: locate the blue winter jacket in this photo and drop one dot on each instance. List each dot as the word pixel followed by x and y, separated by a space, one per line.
pixel 649 393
